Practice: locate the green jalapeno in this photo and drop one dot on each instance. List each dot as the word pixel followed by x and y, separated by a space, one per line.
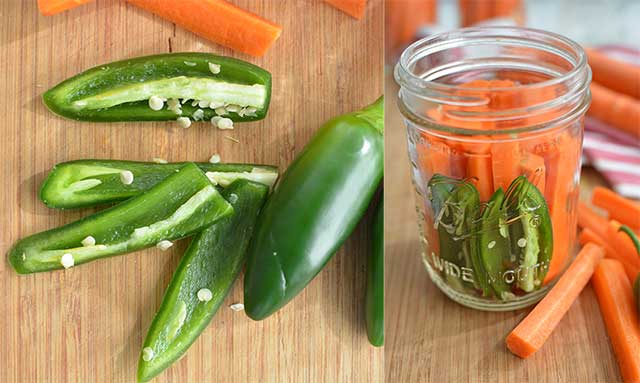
pixel 180 205
pixel 190 86
pixel 202 280
pixel 84 183
pixel 314 208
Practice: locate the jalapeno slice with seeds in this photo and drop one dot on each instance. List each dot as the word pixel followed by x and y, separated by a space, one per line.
pixel 179 206
pixel 202 280
pixel 85 183
pixel 164 87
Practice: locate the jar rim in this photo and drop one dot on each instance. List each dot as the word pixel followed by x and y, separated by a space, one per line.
pixel 576 79
pixel 406 78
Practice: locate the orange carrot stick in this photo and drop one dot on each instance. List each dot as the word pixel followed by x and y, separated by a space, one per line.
pixel 621 245
pixel 533 167
pixel 616 109
pixel 218 21
pixel 505 164
pixel 615 297
pixel 560 186
pixel 619 208
pixel 631 268
pixel 616 75
pixel 353 8
pixel 479 170
pixel 587 218
pixel 533 331
pixel 51 7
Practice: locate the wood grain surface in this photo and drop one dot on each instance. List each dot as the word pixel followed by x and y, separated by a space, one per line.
pixel 87 324
pixel 430 338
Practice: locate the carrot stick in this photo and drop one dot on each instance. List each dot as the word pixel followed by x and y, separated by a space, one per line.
pixel 621 246
pixel 616 75
pixel 353 8
pixel 479 170
pixel 619 208
pixel 631 269
pixel 622 243
pixel 51 7
pixel 218 21
pixel 615 297
pixel 587 218
pixel 616 109
pixel 533 167
pixel 560 186
pixel 533 331
pixel 505 164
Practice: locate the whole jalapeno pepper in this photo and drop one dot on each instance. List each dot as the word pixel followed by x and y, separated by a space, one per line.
pixel 314 208
pixel 374 300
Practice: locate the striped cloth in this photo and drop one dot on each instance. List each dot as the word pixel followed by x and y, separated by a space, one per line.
pixel 614 154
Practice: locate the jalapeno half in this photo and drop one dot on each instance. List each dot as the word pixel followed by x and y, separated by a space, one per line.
pixel 191 86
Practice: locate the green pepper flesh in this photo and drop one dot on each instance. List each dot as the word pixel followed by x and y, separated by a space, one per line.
pixel 120 91
pixel 213 261
pixel 177 207
pixel 314 208
pixel 374 299
pixel 85 183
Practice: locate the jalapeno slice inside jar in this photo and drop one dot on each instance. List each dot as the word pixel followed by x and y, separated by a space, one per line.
pixel 456 205
pixel 197 86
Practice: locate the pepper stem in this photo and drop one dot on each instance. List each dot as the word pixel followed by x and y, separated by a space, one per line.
pixel 374 114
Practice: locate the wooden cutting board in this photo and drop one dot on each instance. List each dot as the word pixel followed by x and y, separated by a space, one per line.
pixel 430 338
pixel 87 324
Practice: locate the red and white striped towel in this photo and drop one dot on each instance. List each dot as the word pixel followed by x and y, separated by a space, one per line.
pixel 615 154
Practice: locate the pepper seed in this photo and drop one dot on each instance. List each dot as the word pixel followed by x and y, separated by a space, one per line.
pixel 126 177
pixel 89 241
pixel 67 260
pixel 155 103
pixel 164 245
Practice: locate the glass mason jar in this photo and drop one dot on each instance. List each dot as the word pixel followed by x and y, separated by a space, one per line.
pixel 494 122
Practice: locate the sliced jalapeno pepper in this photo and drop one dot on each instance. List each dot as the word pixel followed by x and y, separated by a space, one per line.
pixel 493 245
pixel 456 205
pixel 374 300
pixel 314 208
pixel 163 87
pixel 180 205
pixel 85 183
pixel 202 280
pixel 530 231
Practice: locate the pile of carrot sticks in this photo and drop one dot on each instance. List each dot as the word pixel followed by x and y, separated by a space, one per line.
pixel 610 258
pixel 215 20
pixel 615 93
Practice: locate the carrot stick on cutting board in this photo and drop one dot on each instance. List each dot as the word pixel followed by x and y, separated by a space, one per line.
pixel 615 74
pixel 218 21
pixel 616 109
pixel 353 8
pixel 619 208
pixel 51 7
pixel 529 336
pixel 630 268
pixel 608 231
pixel 615 297
pixel 589 219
